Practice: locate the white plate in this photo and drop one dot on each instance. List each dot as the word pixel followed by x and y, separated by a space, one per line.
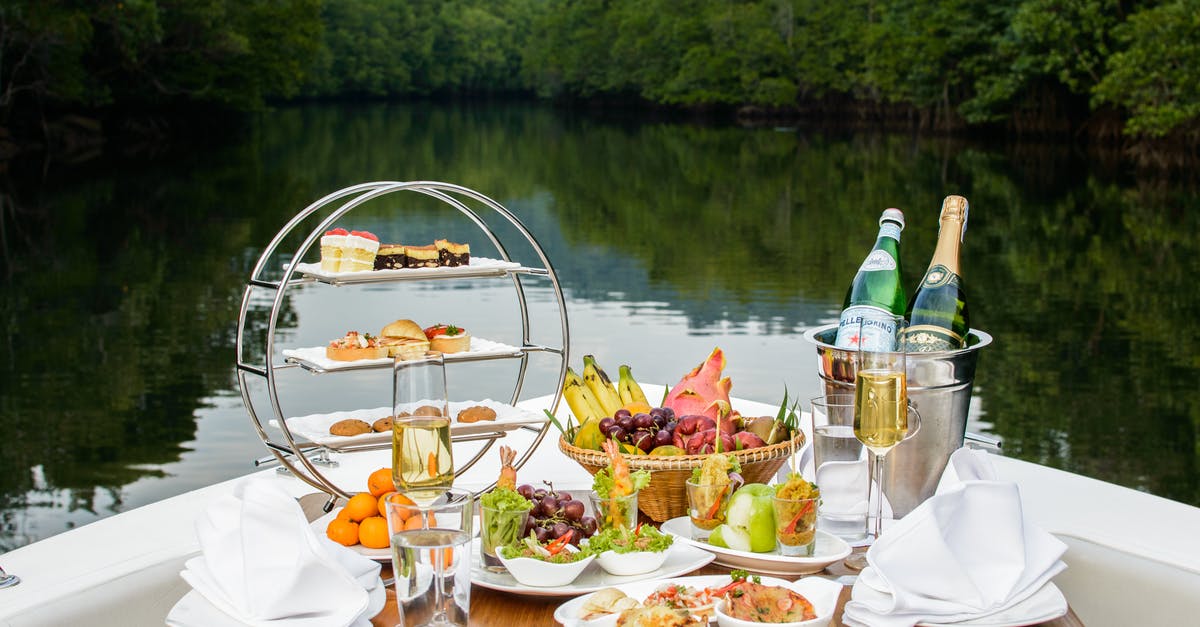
pixel 315 427
pixel 379 555
pixel 313 358
pixel 822 593
pixel 194 610
pixel 682 559
pixel 1048 603
pixel 478 266
pixel 829 549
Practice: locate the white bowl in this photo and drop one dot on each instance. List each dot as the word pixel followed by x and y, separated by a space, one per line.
pixel 822 593
pixel 539 574
pixel 632 563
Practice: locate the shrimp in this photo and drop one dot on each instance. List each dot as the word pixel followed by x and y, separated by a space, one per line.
pixel 622 483
pixel 508 474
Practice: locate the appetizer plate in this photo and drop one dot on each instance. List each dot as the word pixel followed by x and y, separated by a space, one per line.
pixel 379 555
pixel 478 266
pixel 682 558
pixel 313 358
pixel 829 549
pixel 315 427
pixel 823 593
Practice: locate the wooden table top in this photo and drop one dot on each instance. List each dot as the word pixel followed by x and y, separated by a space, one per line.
pixel 491 607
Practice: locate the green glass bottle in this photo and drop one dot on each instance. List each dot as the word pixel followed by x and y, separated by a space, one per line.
pixel 877 294
pixel 937 314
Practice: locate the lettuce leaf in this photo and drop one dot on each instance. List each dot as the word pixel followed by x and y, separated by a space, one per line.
pixel 622 540
pixel 602 482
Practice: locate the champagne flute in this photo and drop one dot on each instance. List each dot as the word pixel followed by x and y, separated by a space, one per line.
pixel 882 415
pixel 422 457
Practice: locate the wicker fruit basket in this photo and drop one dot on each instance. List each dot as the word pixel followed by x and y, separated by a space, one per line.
pixel 666 496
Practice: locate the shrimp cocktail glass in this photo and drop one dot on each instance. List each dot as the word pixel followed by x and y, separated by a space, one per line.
pixel 615 488
pixel 795 502
pixel 503 513
pixel 422 457
pixel 708 492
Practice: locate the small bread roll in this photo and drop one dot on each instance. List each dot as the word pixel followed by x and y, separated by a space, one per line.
pixel 349 427
pixel 476 413
pixel 404 328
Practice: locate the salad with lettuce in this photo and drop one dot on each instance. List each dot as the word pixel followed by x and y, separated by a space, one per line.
pixel 622 540
pixel 602 481
pixel 503 513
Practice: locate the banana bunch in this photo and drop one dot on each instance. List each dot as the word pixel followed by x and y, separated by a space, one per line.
pixel 594 396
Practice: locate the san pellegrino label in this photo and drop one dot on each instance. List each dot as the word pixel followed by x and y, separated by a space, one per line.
pixel 877 293
pixel 938 316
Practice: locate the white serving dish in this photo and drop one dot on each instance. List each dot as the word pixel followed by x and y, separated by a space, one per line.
pixel 540 574
pixel 829 549
pixel 632 563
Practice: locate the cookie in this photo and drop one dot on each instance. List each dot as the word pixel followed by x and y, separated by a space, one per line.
pixel 427 410
pixel 476 413
pixel 349 427
pixel 382 425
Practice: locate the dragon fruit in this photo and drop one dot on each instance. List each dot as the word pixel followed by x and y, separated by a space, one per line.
pixel 702 391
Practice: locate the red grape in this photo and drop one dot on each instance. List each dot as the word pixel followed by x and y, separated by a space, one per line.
pixel 573 509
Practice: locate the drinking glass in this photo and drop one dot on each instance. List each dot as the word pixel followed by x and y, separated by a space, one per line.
pixel 882 415
pixel 422 458
pixel 431 557
pixel 841 468
pixel 795 525
pixel 615 511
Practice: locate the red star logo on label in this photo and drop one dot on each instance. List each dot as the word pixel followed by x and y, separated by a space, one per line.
pixel 854 339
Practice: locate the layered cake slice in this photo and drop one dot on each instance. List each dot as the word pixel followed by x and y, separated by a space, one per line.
pixel 360 251
pixel 332 245
pixel 421 256
pixel 391 257
pixel 451 254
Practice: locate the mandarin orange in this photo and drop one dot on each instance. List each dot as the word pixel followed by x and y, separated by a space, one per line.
pixel 380 482
pixel 373 533
pixel 360 506
pixel 342 531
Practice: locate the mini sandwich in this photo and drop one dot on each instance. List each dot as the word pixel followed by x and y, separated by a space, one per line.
pixel 354 346
pixel 404 339
pixel 448 338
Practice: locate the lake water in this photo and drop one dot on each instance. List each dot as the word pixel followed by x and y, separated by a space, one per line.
pixel 124 275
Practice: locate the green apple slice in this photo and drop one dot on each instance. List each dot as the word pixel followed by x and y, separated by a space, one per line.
pixel 730 538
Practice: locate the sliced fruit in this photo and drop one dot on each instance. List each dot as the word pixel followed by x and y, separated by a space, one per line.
pixel 730 538
pixel 668 449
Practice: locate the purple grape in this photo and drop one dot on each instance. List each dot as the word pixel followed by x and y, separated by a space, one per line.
pixel 621 413
pixel 559 529
pixel 643 421
pixel 539 494
pixel 662 438
pixel 526 491
pixel 644 440
pixel 563 497
pixel 670 426
pixel 606 424
pixel 625 422
pixel 589 525
pixel 542 534
pixel 573 509
pixel 618 434
pixel 669 413
pixel 549 505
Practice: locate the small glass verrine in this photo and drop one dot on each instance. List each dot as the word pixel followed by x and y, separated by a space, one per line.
pixel 706 507
pixel 615 511
pixel 795 525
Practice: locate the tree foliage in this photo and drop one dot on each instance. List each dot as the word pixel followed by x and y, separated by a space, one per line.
pixel 955 62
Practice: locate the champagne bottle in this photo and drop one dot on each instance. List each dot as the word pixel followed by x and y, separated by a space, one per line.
pixel 877 293
pixel 937 314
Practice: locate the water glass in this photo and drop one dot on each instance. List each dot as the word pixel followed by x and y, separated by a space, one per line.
pixel 615 511
pixel 795 525
pixel 706 507
pixel 842 468
pixel 431 557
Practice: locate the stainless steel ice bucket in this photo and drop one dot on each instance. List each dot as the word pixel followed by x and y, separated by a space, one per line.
pixel 939 385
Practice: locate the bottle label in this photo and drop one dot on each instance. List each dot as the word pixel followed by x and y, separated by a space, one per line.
pixel 890 229
pixel 877 260
pixel 929 338
pixel 939 275
pixel 877 331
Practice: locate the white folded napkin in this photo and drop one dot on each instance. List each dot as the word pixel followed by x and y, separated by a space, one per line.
pixel 967 552
pixel 261 564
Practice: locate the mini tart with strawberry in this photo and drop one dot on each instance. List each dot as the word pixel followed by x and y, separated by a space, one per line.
pixel 448 338
pixel 354 346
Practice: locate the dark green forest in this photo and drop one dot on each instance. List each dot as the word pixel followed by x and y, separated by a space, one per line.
pixel 1119 70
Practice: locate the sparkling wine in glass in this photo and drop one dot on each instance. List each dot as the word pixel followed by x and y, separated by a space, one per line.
pixel 422 457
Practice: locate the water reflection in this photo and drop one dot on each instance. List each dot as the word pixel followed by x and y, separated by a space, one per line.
pixel 123 280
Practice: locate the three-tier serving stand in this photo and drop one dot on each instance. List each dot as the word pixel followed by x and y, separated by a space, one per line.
pixel 277 271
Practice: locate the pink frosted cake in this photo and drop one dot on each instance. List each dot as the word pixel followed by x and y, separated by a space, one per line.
pixel 359 253
pixel 333 243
